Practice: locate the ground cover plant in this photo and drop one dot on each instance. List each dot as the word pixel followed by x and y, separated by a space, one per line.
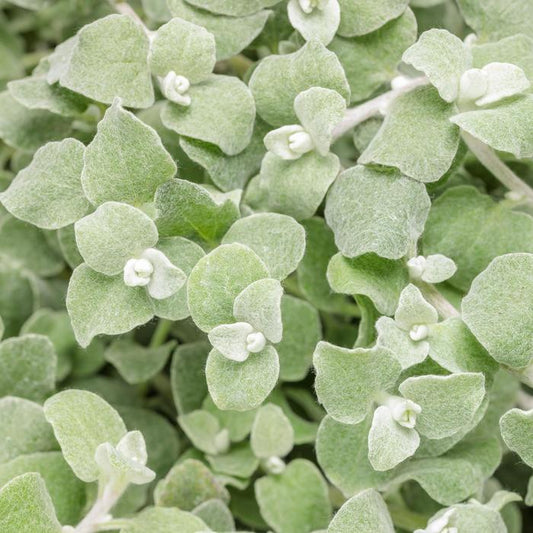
pixel 266 266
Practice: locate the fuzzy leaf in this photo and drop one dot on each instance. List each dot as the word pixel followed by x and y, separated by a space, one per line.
pixel 499 307
pixel 125 161
pixel 347 381
pixel 297 188
pixel 470 228
pixel 202 428
pixel 382 280
pixel 373 211
pixel 504 128
pixel 278 80
pixel 82 421
pixel 242 386
pixel 413 309
pixel 193 211
pixel 448 402
pixel 320 25
pixel 112 235
pixel 365 16
pixel 371 60
pixel 216 515
pixel 277 239
pixel 296 501
pixel 443 58
pixel 26 507
pixel 217 279
pixel 27 367
pixel 236 8
pixel 364 513
pixel 99 304
pixel 222 112
pixel 232 34
pixel 110 59
pixel 185 48
pixel 272 433
pixel 416 137
pixel 48 192
pixel 516 426
pixel 164 520
pixel 259 305
pixel 301 332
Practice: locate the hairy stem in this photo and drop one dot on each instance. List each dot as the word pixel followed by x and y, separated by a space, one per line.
pixel 490 160
pixel 363 112
pixel 438 301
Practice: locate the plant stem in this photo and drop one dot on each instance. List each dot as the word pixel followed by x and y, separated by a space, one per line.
pixel 363 112
pixel 161 333
pixel 490 160
pixel 438 301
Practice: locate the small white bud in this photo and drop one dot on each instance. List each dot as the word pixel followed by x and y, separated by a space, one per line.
pixel 440 525
pixel 419 332
pixel 403 411
pixel 399 82
pixel 474 84
pixel 138 272
pixel 307 6
pixel 301 142
pixel 255 342
pixel 515 196
pixel 416 266
pixel 273 465
pixel 470 39
pixel 175 87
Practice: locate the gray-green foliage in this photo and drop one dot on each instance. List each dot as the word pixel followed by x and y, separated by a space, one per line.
pixel 234 233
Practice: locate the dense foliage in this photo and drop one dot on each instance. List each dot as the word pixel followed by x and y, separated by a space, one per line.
pixel 266 265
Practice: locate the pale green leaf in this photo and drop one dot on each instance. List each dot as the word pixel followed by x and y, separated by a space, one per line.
pixel 301 332
pixel 236 8
pixel 110 59
pixel 217 279
pixel 191 210
pixel 259 305
pixel 382 280
pixel 347 381
pixel 242 386
pixel 374 211
pixel 28 129
pixel 371 60
pixel 185 48
pixel 278 80
pixel 320 24
pixel 413 309
pixel 296 501
pixel 364 513
pixel 296 188
pixel 470 228
pixel 505 128
pixel 499 308
pixel 443 58
pixel 187 485
pixel 221 112
pixel 165 520
pixel 82 421
pixel 516 427
pixel 232 34
pixel 112 235
pixel 99 304
pixel 216 515
pixel 48 192
pixel 202 428
pixel 27 367
pixel 448 402
pixel 272 434
pixel 365 16
pixel 417 136
pixel 239 462
pixel 134 362
pixel 277 239
pixel 126 161
pixel 26 507
pixel 25 429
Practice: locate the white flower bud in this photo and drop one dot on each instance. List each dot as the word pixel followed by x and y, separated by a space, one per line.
pixel 175 87
pixel 300 142
pixel 222 441
pixel 138 272
pixel 474 84
pixel 289 142
pixel 255 342
pixel 273 465
pixel 419 332
pixel 307 6
pixel 403 411
pixel 440 525
pixel 416 266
